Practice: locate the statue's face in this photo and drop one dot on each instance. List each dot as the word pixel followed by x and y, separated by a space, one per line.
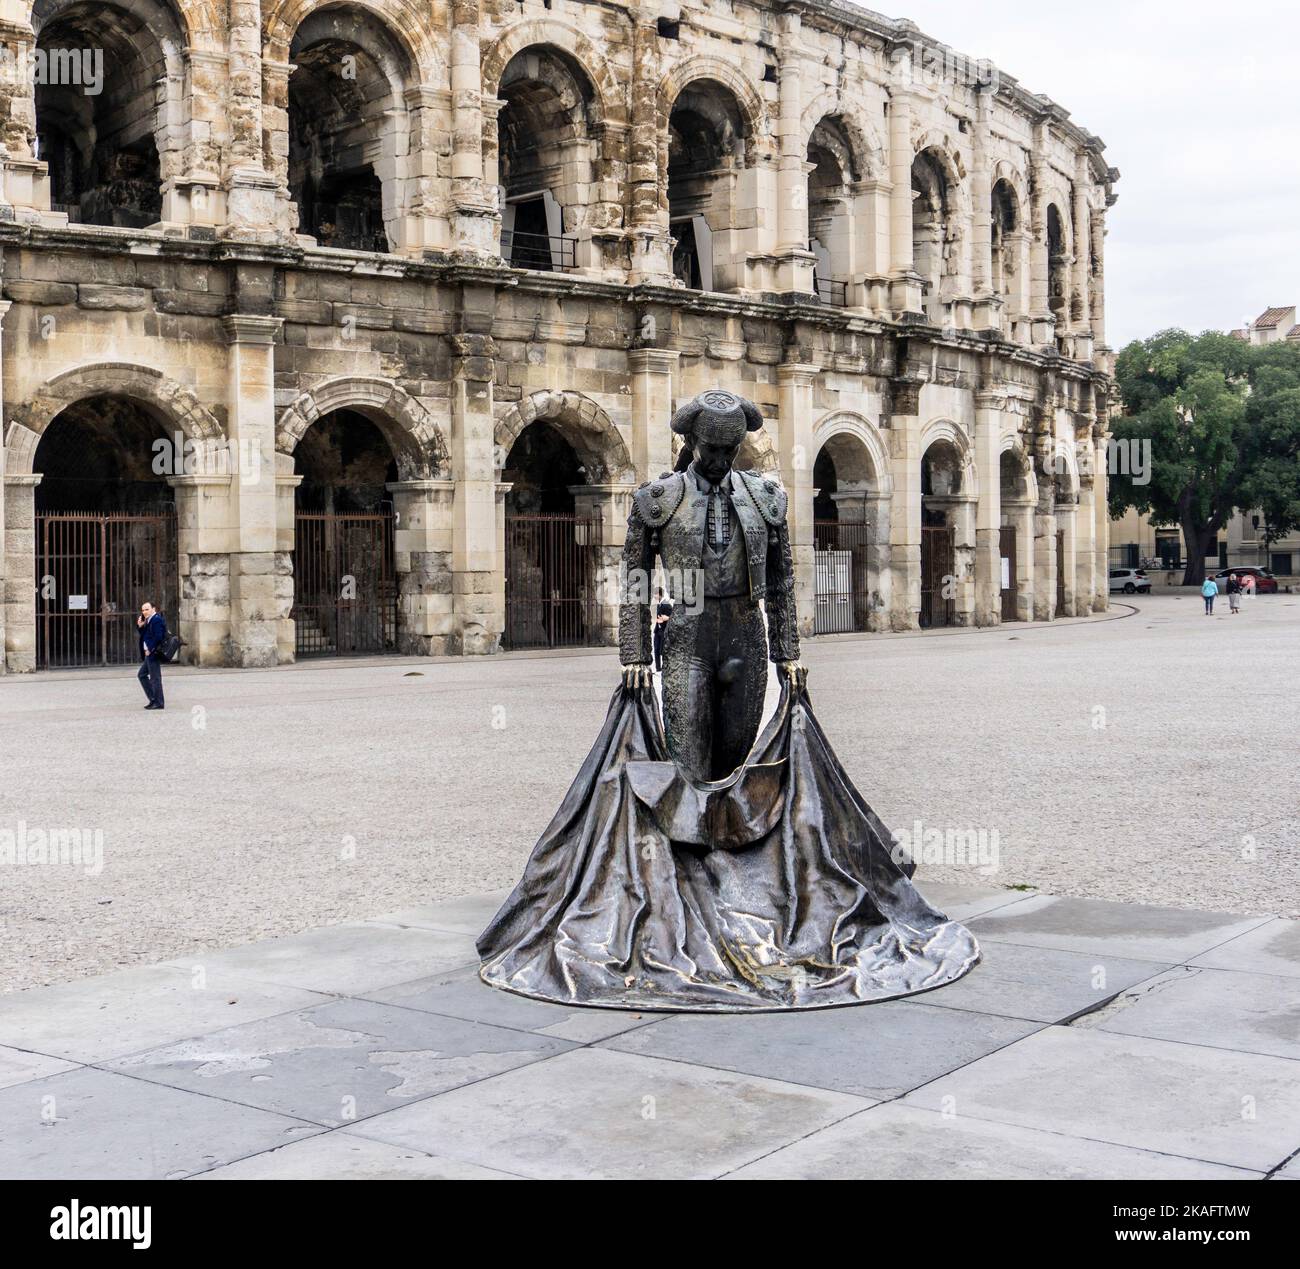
pixel 713 460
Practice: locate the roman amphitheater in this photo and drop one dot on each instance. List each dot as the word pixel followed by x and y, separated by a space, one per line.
pixel 351 327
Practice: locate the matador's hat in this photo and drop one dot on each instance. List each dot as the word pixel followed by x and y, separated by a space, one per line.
pixel 719 417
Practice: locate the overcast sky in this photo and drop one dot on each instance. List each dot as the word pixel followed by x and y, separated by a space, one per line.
pixel 1199 107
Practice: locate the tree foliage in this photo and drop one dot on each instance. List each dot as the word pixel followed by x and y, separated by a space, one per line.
pixel 1223 421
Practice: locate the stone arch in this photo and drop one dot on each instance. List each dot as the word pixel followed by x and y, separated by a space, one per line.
pixel 705 67
pixel 850 424
pixel 416 440
pixel 406 21
pixel 583 423
pixel 1005 170
pixel 945 430
pixel 609 103
pixel 869 155
pixel 1065 473
pixel 1011 442
pixel 173 403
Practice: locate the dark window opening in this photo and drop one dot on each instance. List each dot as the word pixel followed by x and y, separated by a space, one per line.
pixel 669 30
pixel 686 256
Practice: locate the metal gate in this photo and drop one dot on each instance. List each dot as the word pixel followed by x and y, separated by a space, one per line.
pixel 551 562
pixel 937 609
pixel 840 568
pixel 93 571
pixel 1060 572
pixel 1007 550
pixel 345 588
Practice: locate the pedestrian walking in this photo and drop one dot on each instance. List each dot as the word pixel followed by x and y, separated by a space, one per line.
pixel 153 634
pixel 1209 591
pixel 1234 593
pixel 663 610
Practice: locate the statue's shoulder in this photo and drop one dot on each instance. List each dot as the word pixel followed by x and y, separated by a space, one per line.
pixel 768 495
pixel 656 500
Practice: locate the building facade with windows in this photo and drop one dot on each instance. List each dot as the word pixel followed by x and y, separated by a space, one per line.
pixel 343 327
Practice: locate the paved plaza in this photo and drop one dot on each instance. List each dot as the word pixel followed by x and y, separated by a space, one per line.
pixel 370 1049
pixel 1148 756
pixel 270 970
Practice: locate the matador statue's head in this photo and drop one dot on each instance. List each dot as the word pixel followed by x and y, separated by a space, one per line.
pixel 713 425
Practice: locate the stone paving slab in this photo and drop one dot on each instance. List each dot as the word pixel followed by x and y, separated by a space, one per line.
pixel 597 1113
pixel 1271 948
pixel 962 903
pixel 342 959
pixel 1248 1013
pixel 1177 1099
pixel 466 915
pixel 341 1157
pixel 1132 930
pixel 17 1066
pixel 94 1019
pixel 461 994
pixel 97 1124
pixel 876 1051
pixel 899 1142
pixel 340 1062
pixel 1041 984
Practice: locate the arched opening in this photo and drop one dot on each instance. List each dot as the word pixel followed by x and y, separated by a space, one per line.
pixel 933 230
pixel 830 209
pixel 707 142
pixel 348 129
pixel 547 157
pixel 345 583
pixel 942 496
pixel 551 544
pixel 1015 536
pixel 98 73
pixel 1005 231
pixel 105 530
pixel 846 535
pixel 1058 271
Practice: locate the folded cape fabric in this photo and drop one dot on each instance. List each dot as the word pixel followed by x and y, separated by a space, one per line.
pixel 777 888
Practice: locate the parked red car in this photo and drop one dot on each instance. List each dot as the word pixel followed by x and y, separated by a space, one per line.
pixel 1265 582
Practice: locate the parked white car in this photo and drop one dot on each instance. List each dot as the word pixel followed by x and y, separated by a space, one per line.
pixel 1130 581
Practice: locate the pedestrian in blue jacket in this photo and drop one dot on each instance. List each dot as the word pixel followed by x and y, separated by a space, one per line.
pixel 1209 591
pixel 153 632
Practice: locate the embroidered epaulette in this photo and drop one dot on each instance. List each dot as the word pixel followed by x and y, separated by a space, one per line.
pixel 656 500
pixel 769 497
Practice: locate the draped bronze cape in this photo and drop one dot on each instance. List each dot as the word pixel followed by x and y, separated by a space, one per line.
pixel 773 889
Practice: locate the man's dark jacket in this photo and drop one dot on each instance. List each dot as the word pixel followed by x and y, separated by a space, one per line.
pixel 153 632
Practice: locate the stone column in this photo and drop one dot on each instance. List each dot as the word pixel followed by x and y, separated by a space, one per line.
pixel 1045 549
pixel 794 260
pixel 476 220
pixel 988 305
pixel 250 189
pixel 259 601
pixel 1040 309
pixel 905 282
pixel 1097 302
pixel 426 622
pixel 478 558
pixel 605 508
pixel 647 201
pixel 26 180
pixel 652 409
pixel 1021 515
pixel 1101 522
pixel 905 509
pixel 988 513
pixel 1080 304
pixel 206 542
pixel 794 447
pixel 1066 516
pixel 20 572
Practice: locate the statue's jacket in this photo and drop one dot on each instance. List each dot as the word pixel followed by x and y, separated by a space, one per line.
pixel 668 520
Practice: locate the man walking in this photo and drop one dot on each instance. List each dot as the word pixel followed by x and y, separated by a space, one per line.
pixel 153 632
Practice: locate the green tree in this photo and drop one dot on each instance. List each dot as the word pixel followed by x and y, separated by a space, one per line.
pixel 1222 418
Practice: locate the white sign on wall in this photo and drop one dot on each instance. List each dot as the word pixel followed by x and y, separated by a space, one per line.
pixel 78 603
pixel 1006 573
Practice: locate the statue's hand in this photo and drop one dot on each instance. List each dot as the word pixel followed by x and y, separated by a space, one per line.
pixel 639 675
pixel 795 671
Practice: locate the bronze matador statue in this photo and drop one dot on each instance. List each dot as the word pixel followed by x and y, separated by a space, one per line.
pixel 722 537
pixel 695 864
